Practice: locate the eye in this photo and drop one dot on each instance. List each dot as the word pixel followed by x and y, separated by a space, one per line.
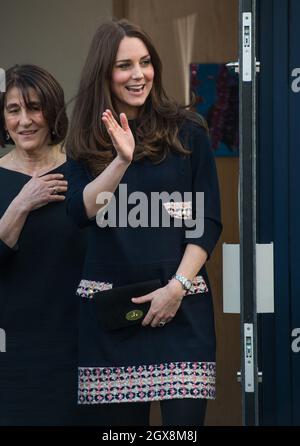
pixel 35 107
pixel 146 62
pixel 123 66
pixel 13 110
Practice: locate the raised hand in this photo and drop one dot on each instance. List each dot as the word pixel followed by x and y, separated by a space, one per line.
pixel 40 191
pixel 121 135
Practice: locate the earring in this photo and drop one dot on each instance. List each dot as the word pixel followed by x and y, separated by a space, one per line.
pixel 7 136
pixel 53 134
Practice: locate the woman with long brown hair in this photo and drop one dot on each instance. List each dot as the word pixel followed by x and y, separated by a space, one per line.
pixel 127 137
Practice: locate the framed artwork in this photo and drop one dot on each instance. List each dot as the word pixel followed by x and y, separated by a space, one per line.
pixel 216 90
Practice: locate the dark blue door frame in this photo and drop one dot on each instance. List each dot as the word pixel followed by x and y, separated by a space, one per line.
pixel 247 210
pixel 279 206
pixel 294 187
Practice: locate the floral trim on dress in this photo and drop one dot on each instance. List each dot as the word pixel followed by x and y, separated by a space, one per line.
pixel 199 286
pixel 179 209
pixel 98 385
pixel 87 288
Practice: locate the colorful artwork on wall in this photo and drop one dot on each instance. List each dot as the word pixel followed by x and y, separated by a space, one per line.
pixel 216 89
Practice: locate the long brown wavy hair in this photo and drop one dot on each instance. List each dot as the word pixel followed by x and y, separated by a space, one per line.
pixel 159 118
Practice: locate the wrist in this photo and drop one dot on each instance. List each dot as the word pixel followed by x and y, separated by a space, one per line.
pixel 21 207
pixel 176 289
pixel 185 282
pixel 122 162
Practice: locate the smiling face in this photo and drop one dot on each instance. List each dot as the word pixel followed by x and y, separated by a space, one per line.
pixel 132 76
pixel 26 126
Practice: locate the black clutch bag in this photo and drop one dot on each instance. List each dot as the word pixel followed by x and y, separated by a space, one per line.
pixel 115 309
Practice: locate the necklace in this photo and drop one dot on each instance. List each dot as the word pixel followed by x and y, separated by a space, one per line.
pixel 50 163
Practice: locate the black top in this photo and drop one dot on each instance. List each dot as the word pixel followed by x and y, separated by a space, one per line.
pixel 144 363
pixel 38 311
pixel 196 173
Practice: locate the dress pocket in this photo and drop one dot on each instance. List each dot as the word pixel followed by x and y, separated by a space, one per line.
pixel 87 288
pixel 199 286
pixel 179 209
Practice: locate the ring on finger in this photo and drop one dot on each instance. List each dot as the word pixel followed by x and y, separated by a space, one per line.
pixel 53 192
pixel 162 323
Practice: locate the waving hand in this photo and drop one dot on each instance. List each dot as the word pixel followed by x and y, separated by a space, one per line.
pixel 121 135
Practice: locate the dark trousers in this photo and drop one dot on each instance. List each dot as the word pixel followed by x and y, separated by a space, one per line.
pixel 177 412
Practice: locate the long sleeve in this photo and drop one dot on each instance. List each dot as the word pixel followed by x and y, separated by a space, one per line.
pixel 204 179
pixel 6 252
pixel 78 178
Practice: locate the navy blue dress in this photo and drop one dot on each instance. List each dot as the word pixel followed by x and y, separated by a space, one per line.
pixel 39 313
pixel 138 363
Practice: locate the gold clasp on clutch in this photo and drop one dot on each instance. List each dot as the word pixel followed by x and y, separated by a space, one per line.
pixel 134 315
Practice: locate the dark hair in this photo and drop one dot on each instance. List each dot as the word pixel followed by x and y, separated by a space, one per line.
pixel 49 92
pixel 159 118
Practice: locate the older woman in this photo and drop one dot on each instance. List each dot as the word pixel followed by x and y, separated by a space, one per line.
pixel 40 255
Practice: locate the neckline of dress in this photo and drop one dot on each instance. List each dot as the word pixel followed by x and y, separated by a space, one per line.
pixel 30 176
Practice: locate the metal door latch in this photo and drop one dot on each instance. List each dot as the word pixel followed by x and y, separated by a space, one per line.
pixel 236 66
pixel 239 376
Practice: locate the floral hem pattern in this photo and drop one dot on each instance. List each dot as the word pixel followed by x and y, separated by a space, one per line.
pixel 98 385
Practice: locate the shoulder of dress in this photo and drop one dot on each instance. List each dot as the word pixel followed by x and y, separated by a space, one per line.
pixel 191 128
pixel 193 134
